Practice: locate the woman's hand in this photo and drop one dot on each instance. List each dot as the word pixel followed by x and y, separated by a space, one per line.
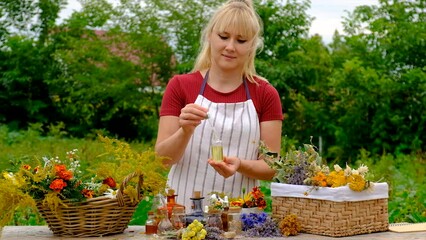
pixel 191 116
pixel 227 167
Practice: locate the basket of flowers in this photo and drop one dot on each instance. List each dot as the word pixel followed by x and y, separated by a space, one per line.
pixel 77 204
pixel 333 202
pixel 252 201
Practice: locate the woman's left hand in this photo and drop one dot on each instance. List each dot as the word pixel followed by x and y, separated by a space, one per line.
pixel 227 167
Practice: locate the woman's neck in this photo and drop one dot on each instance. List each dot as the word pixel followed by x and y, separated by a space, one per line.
pixel 224 81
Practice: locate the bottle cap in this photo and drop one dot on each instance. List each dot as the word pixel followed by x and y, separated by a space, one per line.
pixel 197 195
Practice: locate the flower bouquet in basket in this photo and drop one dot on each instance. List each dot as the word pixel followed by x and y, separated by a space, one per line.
pixel 98 202
pixel 334 202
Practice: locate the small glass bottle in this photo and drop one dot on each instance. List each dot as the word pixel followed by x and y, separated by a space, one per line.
pixel 178 217
pixel 164 225
pixel 214 219
pixel 151 224
pixel 171 202
pixel 217 150
pixel 234 220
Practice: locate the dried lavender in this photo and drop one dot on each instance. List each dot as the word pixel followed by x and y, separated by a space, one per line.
pixel 299 174
pixel 214 233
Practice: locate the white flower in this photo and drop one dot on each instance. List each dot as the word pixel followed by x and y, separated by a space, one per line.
pixel 355 172
pixel 11 177
pixel 363 169
pixel 337 168
pixel 110 193
pixel 325 169
pixel 348 171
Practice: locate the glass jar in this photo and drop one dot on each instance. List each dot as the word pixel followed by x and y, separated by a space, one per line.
pixel 217 150
pixel 214 219
pixel 164 225
pixel 151 224
pixel 234 220
pixel 178 217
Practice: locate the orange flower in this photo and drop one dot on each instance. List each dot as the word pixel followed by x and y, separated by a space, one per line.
pixel 87 193
pixel 236 203
pixel 57 185
pixel 256 193
pixel 110 182
pixel 320 179
pixel 60 168
pixel 26 167
pixel 66 175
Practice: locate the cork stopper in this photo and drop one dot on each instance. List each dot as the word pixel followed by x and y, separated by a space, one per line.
pixel 196 195
pixel 170 192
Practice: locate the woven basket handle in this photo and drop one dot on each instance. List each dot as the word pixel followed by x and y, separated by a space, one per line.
pixel 120 192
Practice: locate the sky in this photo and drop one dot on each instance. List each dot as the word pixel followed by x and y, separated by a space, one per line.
pixel 328 14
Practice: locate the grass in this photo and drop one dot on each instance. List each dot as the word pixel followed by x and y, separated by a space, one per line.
pixel 404 173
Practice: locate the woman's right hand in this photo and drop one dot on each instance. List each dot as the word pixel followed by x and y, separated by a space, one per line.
pixel 191 116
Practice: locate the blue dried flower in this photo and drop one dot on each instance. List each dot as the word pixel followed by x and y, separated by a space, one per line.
pixel 252 219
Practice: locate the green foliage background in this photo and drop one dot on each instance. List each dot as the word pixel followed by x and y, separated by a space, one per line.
pixel 104 70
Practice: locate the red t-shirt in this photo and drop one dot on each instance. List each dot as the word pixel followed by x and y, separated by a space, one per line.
pixel 184 89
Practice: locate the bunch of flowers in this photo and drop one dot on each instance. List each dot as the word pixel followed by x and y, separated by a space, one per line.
pixel 290 226
pixel 217 203
pixel 55 181
pixel 353 178
pixel 253 199
pixel 304 167
pixel 259 225
pixel 194 231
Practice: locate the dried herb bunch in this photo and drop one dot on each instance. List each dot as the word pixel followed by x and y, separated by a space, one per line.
pixel 295 167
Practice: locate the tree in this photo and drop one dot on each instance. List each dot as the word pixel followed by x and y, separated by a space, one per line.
pixel 379 79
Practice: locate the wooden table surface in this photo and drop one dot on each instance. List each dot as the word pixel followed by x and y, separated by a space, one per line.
pixel 138 232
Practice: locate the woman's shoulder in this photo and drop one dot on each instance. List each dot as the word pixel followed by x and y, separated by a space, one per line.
pixel 262 85
pixel 185 77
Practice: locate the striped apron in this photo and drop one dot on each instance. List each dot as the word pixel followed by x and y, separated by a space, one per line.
pixel 237 125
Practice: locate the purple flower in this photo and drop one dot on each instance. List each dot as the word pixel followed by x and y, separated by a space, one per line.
pixel 252 219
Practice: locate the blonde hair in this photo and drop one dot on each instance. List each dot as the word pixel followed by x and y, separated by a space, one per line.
pixel 240 16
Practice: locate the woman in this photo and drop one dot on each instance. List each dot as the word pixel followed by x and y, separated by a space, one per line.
pixel 221 98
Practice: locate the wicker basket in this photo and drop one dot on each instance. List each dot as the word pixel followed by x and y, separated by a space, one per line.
pixel 95 217
pixel 333 218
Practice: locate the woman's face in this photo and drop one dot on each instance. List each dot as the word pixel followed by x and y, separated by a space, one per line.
pixel 229 50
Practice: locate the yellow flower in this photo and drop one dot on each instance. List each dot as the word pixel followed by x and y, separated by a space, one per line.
pixel 356 182
pixel 336 179
pixel 290 226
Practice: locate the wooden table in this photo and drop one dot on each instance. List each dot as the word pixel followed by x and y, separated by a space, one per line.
pixel 138 232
